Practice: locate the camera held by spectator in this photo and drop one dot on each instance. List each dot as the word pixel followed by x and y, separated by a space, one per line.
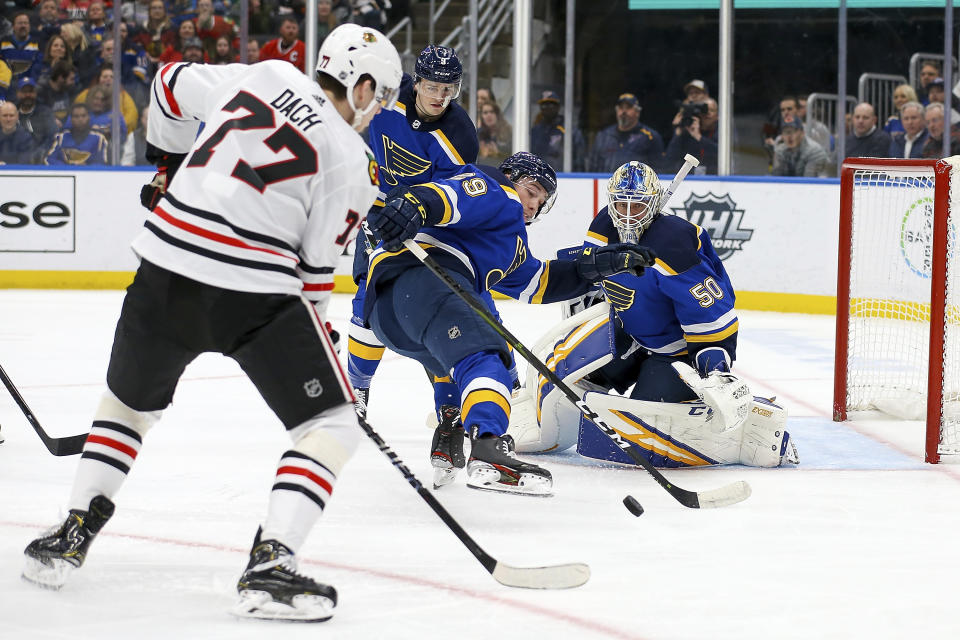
pixel 691 110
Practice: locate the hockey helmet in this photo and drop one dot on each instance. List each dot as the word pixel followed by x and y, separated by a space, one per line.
pixel 524 164
pixel 351 51
pixel 440 64
pixel 636 187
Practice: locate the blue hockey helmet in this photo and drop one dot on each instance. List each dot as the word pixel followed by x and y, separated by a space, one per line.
pixel 440 64
pixel 524 164
pixel 635 197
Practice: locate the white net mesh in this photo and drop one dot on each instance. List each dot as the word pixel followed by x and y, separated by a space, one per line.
pixel 890 274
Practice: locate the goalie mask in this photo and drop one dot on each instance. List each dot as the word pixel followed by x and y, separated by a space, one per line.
pixel 352 51
pixel 635 196
pixel 524 165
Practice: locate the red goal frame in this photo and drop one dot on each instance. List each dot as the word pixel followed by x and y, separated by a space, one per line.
pixel 941 211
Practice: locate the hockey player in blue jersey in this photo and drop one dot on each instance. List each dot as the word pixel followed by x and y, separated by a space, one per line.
pixel 425 136
pixel 679 311
pixel 474 225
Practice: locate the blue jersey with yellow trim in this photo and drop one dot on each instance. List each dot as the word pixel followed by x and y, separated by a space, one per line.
pixel 482 234
pixel 411 151
pixel 681 305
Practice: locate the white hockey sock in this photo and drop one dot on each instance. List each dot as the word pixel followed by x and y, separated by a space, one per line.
pixel 111 448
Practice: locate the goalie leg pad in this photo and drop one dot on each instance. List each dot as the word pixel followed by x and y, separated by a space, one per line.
pixel 766 442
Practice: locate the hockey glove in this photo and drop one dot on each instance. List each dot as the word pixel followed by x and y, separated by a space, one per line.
pixel 399 219
pixel 167 165
pixel 597 263
pixel 151 193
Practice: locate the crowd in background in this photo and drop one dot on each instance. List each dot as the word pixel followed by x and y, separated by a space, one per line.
pixel 56 63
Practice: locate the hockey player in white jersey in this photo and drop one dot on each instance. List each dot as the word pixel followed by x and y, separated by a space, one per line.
pixel 237 257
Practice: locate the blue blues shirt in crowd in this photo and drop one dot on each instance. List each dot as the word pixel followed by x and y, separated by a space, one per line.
pixel 66 149
pixel 483 236
pixel 685 302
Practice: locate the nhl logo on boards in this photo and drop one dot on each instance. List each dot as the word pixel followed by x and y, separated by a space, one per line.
pixel 313 388
pixel 454 332
pixel 721 218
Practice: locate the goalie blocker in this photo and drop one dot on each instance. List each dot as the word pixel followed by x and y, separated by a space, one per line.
pixel 727 426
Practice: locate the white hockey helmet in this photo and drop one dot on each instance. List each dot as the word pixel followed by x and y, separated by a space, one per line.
pixel 637 187
pixel 349 52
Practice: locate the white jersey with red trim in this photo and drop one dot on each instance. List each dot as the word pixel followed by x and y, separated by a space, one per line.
pixel 271 187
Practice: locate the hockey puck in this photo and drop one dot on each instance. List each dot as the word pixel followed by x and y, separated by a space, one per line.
pixel 633 506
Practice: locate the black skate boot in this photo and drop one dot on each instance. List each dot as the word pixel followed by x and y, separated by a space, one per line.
pixel 50 559
pixel 494 467
pixel 446 452
pixel 360 405
pixel 271 588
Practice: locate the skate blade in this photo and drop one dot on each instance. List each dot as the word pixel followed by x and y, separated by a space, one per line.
pixel 489 479
pixel 49 576
pixel 444 476
pixel 261 605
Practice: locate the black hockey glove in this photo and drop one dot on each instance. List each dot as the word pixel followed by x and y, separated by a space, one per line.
pixel 151 193
pixel 399 219
pixel 167 165
pixel 597 263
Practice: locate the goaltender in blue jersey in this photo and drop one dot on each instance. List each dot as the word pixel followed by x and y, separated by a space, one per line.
pixel 474 225
pixel 668 339
pixel 425 136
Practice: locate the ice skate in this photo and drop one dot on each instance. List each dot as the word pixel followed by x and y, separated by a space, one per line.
pixel 494 467
pixel 446 452
pixel 271 588
pixel 50 559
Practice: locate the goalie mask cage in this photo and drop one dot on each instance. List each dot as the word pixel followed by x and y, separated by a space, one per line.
pixel 898 296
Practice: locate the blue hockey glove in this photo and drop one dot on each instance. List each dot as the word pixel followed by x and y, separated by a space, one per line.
pixel 399 219
pixel 597 263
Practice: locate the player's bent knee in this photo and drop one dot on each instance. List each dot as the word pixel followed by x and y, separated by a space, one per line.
pixel 111 409
pixel 330 437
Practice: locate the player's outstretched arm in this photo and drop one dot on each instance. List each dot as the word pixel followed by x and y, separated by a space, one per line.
pixel 596 263
pixel 401 217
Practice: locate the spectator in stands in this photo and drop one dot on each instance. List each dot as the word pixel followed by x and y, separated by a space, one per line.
pixel 75 9
pixel 181 10
pixel 253 51
pixel 695 91
pixel 795 155
pixel 814 129
pixel 96 26
pixel 547 134
pixel 326 20
pixel 5 76
pixel 21 52
pixel 909 142
pixel 867 140
pixel 696 136
pixel 260 16
pixel 223 54
pixel 48 21
pixel 342 9
pixel 287 46
pixel 158 32
pixel 902 94
pixel 59 91
pixel 495 136
pixel 135 149
pixel 193 50
pixel 134 65
pixel 935 91
pixel 933 147
pixel 789 106
pixel 84 57
pixel 17 146
pixel 628 139
pixel 929 71
pixel 484 94
pixel 367 13
pixel 78 145
pixel 101 113
pixel 174 52
pixel 211 26
pixel 35 119
pixel 127 105
pixel 55 51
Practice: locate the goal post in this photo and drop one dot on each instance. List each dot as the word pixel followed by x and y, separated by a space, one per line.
pixel 898 296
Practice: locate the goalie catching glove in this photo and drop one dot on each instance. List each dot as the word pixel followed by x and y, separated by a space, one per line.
pixel 597 263
pixel 728 396
pixel 399 219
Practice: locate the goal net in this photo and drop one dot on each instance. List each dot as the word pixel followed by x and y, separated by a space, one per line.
pixel 898 295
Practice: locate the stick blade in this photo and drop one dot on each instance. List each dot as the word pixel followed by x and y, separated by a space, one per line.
pixel 561 576
pixel 724 496
pixel 70 446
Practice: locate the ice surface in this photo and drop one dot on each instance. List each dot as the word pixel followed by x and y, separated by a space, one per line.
pixel 860 541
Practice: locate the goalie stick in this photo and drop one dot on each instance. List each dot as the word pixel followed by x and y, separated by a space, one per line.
pixel 68 446
pixel 721 497
pixel 562 576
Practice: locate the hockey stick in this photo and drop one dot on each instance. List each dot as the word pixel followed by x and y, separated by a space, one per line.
pixel 561 576
pixel 721 497
pixel 68 446
pixel 689 162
